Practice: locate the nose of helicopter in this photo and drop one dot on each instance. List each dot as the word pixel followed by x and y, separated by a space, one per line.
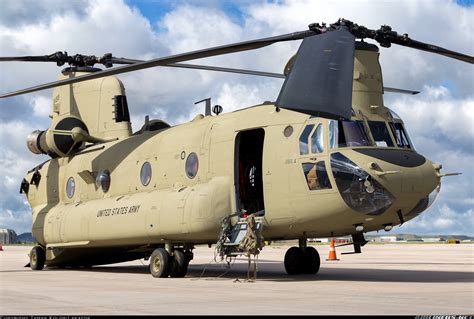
pixel 373 180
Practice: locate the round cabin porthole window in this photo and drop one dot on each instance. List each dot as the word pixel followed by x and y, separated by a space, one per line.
pixel 288 131
pixel 192 165
pixel 102 180
pixel 145 174
pixel 70 187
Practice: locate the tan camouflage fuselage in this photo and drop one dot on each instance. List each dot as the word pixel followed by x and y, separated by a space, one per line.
pixel 174 208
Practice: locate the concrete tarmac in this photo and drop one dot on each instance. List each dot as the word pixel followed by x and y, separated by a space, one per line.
pixel 385 279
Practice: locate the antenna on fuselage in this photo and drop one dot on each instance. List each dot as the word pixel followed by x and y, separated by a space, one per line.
pixel 208 105
pixel 217 109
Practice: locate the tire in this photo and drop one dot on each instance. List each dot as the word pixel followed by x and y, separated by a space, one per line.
pixel 179 265
pixel 294 259
pixel 160 265
pixel 37 258
pixel 312 261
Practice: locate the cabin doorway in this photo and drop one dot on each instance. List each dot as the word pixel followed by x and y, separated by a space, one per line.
pixel 249 172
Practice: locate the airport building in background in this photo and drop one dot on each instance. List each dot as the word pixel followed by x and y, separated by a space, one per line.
pixel 7 236
pixel 387 239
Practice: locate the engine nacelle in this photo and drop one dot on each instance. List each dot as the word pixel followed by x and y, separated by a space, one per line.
pixel 56 142
pixel 36 142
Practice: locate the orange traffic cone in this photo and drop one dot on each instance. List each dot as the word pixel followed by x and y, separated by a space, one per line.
pixel 332 252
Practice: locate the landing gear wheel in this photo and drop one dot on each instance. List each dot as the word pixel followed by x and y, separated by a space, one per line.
pixel 160 263
pixel 37 258
pixel 179 265
pixel 311 261
pixel 294 259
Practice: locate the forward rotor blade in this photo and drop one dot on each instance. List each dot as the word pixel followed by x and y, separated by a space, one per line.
pixel 203 67
pixel 320 80
pixel 402 91
pixel 199 54
pixel 261 73
pixel 242 71
pixel 385 36
pixel 407 42
pixel 228 70
pixel 265 74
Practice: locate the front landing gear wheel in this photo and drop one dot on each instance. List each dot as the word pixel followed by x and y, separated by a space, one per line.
pixel 294 261
pixel 160 263
pixel 37 258
pixel 312 262
pixel 179 264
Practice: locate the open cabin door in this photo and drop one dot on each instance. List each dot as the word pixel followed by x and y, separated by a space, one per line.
pixel 248 172
pixel 244 236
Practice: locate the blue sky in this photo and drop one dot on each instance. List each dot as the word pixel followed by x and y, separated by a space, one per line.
pixel 154 10
pixel 465 2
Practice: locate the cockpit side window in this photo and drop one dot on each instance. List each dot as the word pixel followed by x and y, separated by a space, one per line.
pixel 317 142
pixel 401 137
pixel 380 133
pixel 394 115
pixel 304 149
pixel 333 134
pixel 348 134
pixel 316 175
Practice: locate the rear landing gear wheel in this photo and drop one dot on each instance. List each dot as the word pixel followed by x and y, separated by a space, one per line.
pixel 294 261
pixel 312 262
pixel 37 258
pixel 160 263
pixel 179 264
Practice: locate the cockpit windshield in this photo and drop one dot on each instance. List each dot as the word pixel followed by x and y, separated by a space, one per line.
pixel 401 137
pixel 348 134
pixel 380 133
pixel 354 133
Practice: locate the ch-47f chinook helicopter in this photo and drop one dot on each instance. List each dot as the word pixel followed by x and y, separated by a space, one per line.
pixel 328 158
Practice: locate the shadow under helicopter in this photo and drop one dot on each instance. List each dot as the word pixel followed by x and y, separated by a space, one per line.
pixel 274 271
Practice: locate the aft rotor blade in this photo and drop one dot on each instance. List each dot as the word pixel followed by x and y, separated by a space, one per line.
pixel 320 80
pixel 198 54
pixel 28 58
pixel 61 58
